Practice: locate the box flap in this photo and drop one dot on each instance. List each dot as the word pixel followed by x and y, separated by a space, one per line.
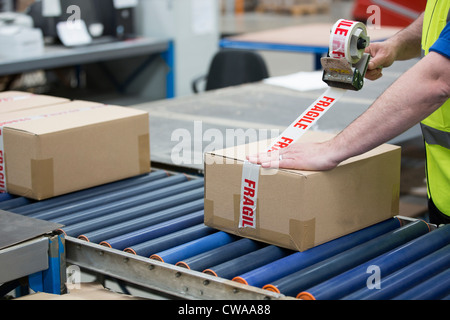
pixel 240 152
pixel 66 116
pixel 13 101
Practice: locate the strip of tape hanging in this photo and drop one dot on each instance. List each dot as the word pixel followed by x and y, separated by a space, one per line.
pixel 308 118
pixel 250 171
pixel 339 47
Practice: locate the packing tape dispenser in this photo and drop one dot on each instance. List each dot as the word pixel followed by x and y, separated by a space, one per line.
pixel 346 63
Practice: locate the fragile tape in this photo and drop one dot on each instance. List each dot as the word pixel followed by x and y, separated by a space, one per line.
pixel 307 119
pixel 249 195
pixel 342 44
pixel 344 35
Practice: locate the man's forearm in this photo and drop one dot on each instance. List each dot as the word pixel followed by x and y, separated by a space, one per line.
pixel 408 41
pixel 414 96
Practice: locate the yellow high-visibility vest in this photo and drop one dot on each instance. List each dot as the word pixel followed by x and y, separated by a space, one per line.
pixel 436 128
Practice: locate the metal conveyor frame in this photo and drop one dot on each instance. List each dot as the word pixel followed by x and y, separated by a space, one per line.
pixel 159 276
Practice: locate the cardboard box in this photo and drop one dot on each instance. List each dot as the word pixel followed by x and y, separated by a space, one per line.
pixel 12 101
pixel 66 147
pixel 302 209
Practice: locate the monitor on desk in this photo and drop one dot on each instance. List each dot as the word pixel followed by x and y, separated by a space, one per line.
pixel 107 20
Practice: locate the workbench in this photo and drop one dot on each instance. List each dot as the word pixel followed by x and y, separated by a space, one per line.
pixel 308 38
pixel 57 56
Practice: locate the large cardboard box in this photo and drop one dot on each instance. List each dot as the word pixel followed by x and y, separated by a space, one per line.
pixel 53 150
pixel 302 209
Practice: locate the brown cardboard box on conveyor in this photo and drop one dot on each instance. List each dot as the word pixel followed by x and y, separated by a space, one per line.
pixel 68 146
pixel 302 209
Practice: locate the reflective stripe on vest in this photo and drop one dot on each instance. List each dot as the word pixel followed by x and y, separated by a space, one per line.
pixel 435 136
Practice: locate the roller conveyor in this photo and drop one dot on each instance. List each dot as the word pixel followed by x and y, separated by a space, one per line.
pixel 149 231
pixel 332 266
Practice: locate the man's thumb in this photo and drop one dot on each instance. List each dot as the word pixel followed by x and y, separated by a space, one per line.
pixel 375 63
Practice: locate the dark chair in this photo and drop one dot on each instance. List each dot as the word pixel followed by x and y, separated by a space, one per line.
pixel 231 67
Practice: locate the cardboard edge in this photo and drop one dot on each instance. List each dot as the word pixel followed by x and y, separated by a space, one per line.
pixel 321 136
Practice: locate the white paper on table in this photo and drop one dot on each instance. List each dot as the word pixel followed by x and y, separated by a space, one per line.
pixel 301 81
pixel 73 33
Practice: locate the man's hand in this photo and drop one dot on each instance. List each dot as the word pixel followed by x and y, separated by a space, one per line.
pixel 302 156
pixel 404 45
pixel 382 56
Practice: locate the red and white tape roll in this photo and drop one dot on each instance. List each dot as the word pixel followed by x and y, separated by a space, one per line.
pixel 343 40
pixel 344 35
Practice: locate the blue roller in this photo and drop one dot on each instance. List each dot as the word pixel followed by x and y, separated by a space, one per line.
pixel 4 196
pixel 158 195
pixel 219 255
pixel 356 278
pixel 157 230
pixel 321 271
pixel 90 192
pixel 299 260
pixel 131 212
pixel 127 228
pixel 434 288
pixel 405 278
pixel 108 198
pixel 248 262
pixel 147 248
pixel 194 247
pixel 14 203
